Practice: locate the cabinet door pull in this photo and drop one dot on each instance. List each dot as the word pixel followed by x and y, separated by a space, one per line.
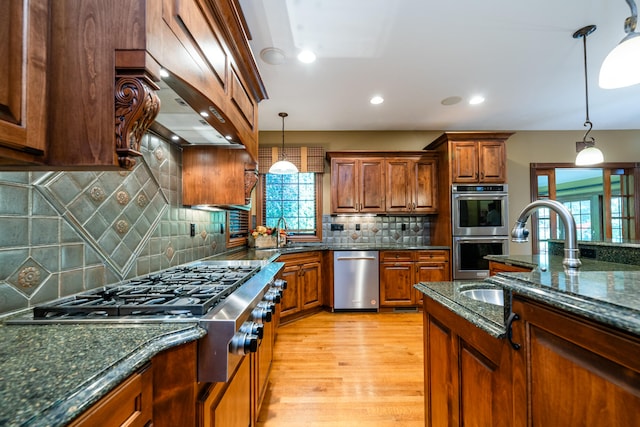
pixel 512 317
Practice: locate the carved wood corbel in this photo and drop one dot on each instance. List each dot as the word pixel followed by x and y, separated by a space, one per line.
pixel 250 180
pixel 137 106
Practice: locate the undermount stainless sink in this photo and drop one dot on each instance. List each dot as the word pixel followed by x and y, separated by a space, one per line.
pixel 491 296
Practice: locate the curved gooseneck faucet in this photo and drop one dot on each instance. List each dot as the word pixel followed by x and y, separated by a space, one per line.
pixel 519 233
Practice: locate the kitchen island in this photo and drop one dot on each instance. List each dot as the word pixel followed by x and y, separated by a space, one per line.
pixel 563 348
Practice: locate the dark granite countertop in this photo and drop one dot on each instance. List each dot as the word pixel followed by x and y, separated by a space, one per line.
pixel 488 317
pixel 602 291
pixel 49 374
pixel 270 254
pixel 609 297
pixel 554 263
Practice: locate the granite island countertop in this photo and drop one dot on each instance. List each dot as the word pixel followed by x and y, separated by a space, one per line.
pixel 602 291
pixel 49 374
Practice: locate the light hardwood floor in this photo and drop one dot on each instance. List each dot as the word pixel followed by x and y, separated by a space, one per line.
pixel 347 369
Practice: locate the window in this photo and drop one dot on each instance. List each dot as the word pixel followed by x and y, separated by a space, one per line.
pixel 601 201
pixel 298 199
pixel 237 228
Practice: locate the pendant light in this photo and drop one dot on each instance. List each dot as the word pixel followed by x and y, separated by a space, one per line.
pixel 621 67
pixel 588 154
pixel 283 167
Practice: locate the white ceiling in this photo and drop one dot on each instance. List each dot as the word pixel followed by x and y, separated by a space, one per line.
pixel 520 55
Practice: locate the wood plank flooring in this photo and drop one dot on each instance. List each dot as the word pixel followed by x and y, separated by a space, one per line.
pixel 347 369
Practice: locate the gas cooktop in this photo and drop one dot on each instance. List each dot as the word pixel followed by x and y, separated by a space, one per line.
pixel 182 292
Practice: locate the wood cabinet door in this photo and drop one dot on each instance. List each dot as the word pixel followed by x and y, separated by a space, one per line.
pixel 464 161
pixel 344 186
pixel 439 369
pixel 213 176
pixel 289 302
pixel 399 191
pixel 571 371
pixel 424 186
pixel 23 83
pixel 396 284
pixel 467 372
pixel 234 409
pixel 311 285
pixel 372 186
pixel 492 161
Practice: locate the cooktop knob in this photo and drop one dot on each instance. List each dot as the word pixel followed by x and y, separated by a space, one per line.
pixel 262 314
pixel 243 343
pixel 273 295
pixel 253 328
pixel 280 283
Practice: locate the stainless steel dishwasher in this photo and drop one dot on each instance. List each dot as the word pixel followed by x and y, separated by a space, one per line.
pixel 355 280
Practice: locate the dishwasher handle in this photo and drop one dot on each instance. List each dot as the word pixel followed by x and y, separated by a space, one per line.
pixel 363 258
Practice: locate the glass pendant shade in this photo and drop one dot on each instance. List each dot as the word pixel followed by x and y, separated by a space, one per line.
pixel 283 167
pixel 621 67
pixel 589 156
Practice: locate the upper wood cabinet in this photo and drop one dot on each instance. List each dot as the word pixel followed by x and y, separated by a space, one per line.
pixel 411 185
pixel 383 182
pixel 357 185
pixel 217 176
pixel 102 62
pixel 23 84
pixel 478 161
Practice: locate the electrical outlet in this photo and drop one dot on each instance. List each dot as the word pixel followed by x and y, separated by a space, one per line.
pixel 357 227
pixel 192 230
pixel 337 227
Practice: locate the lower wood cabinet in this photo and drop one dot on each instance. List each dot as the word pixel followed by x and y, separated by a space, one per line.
pixel 303 273
pixel 571 371
pixel 227 404
pixel 130 404
pixel 467 372
pixel 400 270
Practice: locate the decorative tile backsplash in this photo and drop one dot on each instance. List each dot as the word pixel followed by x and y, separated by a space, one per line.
pixel 65 232
pixel 385 230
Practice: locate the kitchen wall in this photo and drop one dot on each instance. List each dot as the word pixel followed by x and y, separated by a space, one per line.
pixel 523 148
pixel 65 232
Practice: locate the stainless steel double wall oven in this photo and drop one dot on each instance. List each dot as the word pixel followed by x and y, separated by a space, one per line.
pixel 480 227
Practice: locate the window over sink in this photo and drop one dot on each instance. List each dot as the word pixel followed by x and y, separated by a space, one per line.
pixel 297 198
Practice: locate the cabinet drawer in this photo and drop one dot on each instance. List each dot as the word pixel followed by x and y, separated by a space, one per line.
pixel 130 404
pixel 396 256
pixel 432 256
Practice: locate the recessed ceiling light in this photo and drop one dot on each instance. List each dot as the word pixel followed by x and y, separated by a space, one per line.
pixel 175 137
pixel 452 100
pixel 229 137
pixel 475 100
pixel 164 73
pixel 306 56
pixel 204 114
pixel 376 100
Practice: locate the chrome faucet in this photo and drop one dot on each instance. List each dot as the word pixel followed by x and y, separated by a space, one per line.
pixel 281 219
pixel 519 233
